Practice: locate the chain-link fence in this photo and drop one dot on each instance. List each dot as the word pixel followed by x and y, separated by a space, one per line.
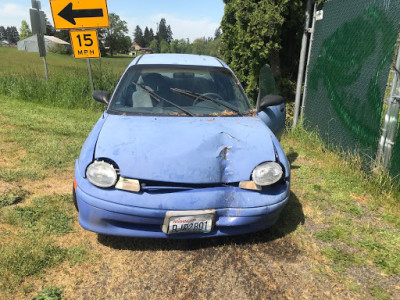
pixel 350 60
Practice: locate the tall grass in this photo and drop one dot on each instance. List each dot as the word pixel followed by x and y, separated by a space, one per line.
pixel 22 77
pixel 62 91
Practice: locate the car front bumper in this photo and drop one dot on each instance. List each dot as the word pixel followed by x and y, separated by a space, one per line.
pixel 122 213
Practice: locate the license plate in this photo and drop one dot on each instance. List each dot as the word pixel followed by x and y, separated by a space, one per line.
pixel 188 221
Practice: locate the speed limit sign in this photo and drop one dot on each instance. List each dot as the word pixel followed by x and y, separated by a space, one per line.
pixel 85 43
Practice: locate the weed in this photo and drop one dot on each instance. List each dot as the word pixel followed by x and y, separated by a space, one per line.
pixel 379 293
pixel 52 293
pixel 341 258
pixel 334 233
pixel 76 255
pixel 58 222
pixel 14 196
pixel 47 214
pixel 29 257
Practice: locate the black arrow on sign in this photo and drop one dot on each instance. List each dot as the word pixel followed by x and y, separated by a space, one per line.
pixel 70 15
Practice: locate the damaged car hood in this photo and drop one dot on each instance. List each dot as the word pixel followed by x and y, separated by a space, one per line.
pixel 195 150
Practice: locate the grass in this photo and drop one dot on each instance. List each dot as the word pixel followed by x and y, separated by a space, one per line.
pixel 68 78
pixel 46 140
pixel 341 221
pixel 347 193
pixel 34 249
pixel 10 197
pixel 47 214
pixel 52 293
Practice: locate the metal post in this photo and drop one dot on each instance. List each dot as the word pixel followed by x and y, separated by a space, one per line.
pixel 90 74
pixel 392 129
pixel 303 102
pixel 303 53
pixel 389 126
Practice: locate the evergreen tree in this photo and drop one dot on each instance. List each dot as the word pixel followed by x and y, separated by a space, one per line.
pixel 164 32
pixel 148 36
pixel 50 30
pixel 252 36
pixel 3 34
pixel 12 35
pixel 217 33
pixel 138 36
pixel 25 30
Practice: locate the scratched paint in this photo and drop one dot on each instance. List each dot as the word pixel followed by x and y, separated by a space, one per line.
pixel 349 70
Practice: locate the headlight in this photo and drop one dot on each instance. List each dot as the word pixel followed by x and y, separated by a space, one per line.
pixel 267 173
pixel 101 174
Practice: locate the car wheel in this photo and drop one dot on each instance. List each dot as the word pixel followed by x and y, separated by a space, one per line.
pixel 74 198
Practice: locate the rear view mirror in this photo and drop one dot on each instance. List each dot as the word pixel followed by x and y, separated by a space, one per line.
pixel 266 85
pixel 102 96
pixel 270 100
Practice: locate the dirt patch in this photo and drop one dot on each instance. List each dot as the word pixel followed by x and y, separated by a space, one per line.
pixel 53 184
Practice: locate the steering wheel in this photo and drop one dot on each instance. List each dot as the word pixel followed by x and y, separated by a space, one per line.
pixel 209 95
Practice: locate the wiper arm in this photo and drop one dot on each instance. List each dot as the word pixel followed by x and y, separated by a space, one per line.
pixel 159 99
pixel 200 96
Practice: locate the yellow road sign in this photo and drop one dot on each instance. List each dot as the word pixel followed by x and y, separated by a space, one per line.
pixel 74 14
pixel 85 43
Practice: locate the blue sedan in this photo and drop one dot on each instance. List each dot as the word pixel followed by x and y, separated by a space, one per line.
pixel 180 153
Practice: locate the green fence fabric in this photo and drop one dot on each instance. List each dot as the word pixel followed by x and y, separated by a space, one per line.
pixel 350 61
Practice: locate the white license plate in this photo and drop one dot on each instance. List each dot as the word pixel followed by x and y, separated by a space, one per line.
pixel 189 221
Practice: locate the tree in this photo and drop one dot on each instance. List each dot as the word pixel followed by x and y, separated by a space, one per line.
pixel 252 36
pixel 3 34
pixel 138 36
pixel 114 36
pixel 50 30
pixel 199 46
pixel 212 48
pixel 154 46
pixel 63 35
pixel 148 36
pixel 164 32
pixel 164 47
pixel 25 30
pixel 179 46
pixel 12 35
pixel 217 33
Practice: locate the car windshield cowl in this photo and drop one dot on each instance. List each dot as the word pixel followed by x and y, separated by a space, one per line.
pixel 179 91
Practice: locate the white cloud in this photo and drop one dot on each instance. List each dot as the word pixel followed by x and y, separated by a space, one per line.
pixel 12 14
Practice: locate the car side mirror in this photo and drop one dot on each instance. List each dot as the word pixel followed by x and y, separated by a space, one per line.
pixel 102 96
pixel 270 100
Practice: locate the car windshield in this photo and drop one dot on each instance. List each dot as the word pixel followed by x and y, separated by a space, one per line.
pixel 174 90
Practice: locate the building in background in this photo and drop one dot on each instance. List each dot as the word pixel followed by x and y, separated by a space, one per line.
pixel 30 44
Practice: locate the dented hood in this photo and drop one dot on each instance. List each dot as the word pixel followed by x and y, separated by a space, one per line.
pixel 184 149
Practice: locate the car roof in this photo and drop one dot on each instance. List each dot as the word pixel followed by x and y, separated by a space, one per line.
pixel 178 59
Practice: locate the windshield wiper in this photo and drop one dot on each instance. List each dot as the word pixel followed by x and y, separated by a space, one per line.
pixel 200 96
pixel 159 99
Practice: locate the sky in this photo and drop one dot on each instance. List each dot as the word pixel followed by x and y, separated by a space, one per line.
pixel 188 18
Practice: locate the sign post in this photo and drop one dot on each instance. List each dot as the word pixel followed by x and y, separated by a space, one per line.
pixel 38 21
pixel 81 16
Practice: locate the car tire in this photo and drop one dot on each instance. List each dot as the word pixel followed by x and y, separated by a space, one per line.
pixel 74 198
